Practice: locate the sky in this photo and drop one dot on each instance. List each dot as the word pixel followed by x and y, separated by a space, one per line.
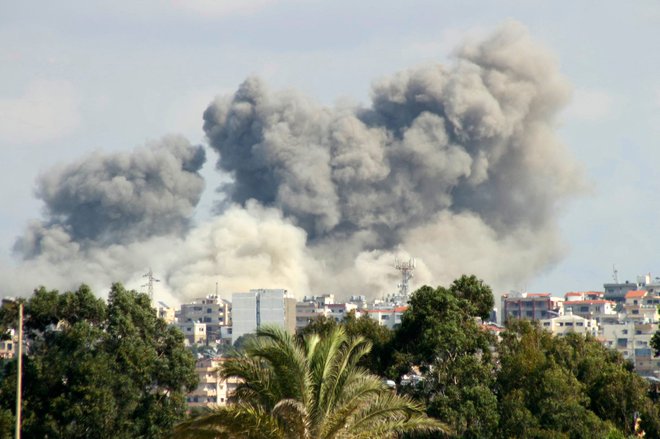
pixel 80 77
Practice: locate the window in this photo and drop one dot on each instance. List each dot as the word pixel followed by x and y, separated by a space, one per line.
pixel 529 313
pixel 579 324
pixel 625 331
pixel 569 323
pixel 209 310
pixel 546 323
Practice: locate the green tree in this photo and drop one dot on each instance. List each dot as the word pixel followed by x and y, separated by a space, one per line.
pixel 440 337
pixel 476 294
pixel 378 359
pixel 308 389
pixel 570 386
pixel 98 370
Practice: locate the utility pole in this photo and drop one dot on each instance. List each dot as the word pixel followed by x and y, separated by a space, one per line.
pixel 19 377
pixel 150 284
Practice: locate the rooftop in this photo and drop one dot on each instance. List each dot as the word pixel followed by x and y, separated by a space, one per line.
pixel 636 294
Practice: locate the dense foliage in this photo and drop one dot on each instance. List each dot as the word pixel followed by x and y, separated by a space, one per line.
pixel 96 369
pixel 522 383
pixel 308 388
pixel 114 370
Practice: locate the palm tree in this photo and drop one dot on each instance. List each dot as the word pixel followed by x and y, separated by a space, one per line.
pixel 310 389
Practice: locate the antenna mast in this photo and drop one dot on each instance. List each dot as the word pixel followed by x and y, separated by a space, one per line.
pixel 150 283
pixel 615 274
pixel 406 269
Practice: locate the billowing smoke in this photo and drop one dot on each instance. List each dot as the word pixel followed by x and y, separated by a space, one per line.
pixel 120 198
pixel 458 166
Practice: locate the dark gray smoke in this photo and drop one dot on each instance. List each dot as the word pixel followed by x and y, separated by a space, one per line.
pixel 119 198
pixel 476 138
pixel 458 166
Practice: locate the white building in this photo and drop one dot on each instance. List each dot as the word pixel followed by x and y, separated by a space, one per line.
pixel 387 317
pixel 262 307
pixel 570 324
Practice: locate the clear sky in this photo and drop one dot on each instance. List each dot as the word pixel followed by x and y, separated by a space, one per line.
pixel 81 76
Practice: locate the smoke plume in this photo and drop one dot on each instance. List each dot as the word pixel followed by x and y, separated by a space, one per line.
pixel 457 166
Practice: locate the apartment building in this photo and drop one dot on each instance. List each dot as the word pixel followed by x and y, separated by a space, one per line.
pixel 211 390
pixel 531 306
pixel 193 332
pixel 261 307
pixel 632 339
pixel 8 348
pixel 212 311
pixel 570 324
pixel 641 305
pixel 598 309
pixel 389 318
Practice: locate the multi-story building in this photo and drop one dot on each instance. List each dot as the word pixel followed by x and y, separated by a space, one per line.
pixel 261 307
pixel 165 312
pixel 211 390
pixel 210 310
pixel 598 309
pixel 193 332
pixel 339 311
pixel 641 305
pixel 389 318
pixel 570 324
pixel 530 306
pixel 616 292
pixel 306 312
pixel 633 340
pixel 8 348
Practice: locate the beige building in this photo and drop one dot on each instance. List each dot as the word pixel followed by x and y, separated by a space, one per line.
pixel 641 306
pixel 211 310
pixel 165 312
pixel 632 339
pixel 212 390
pixel 193 332
pixel 8 348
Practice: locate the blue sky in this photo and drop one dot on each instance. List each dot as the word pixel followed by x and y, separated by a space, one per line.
pixel 79 76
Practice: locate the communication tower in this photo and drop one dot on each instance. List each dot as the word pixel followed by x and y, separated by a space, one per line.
pixel 150 283
pixel 406 269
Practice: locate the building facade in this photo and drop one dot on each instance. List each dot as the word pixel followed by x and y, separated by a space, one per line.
pixel 260 307
pixel 212 390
